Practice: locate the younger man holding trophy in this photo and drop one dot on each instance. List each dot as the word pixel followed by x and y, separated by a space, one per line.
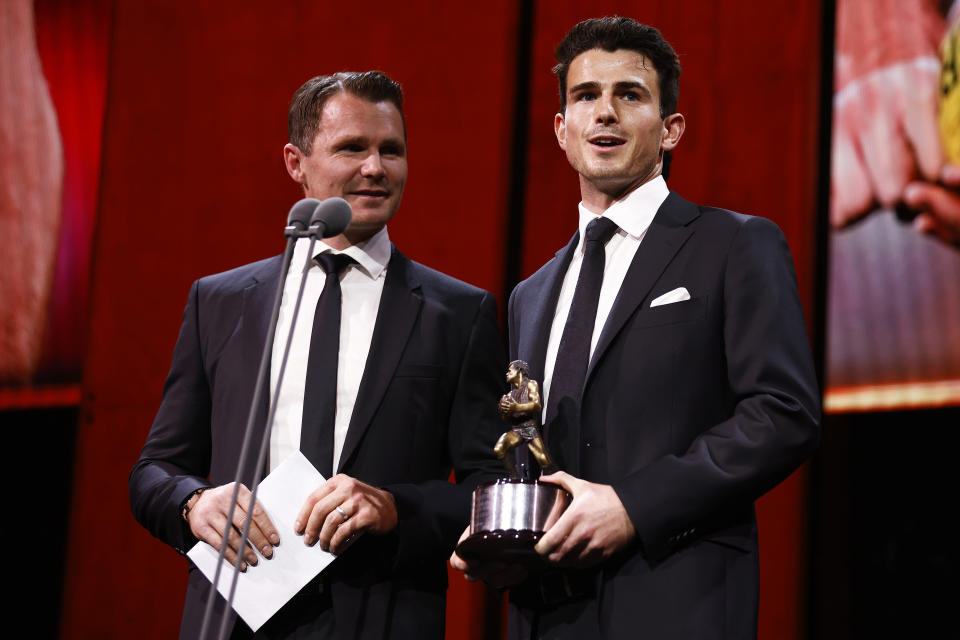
pixel 676 372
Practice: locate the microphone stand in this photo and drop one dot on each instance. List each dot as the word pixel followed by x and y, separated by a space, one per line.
pixel 292 232
pixel 327 218
pixel 312 232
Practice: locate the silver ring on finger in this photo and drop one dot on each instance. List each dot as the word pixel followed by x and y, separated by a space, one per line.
pixel 343 514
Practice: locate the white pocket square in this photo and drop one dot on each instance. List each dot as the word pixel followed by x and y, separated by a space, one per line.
pixel 677 295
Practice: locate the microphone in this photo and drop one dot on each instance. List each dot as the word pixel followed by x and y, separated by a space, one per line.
pixel 330 218
pixel 299 217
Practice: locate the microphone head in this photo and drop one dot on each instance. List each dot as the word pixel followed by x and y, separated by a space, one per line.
pixel 331 217
pixel 299 216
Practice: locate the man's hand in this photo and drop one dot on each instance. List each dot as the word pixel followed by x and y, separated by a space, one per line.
pixel 341 509
pixel 886 78
pixel 593 528
pixel 208 517
pixel 496 574
pixel 939 206
pixel 885 134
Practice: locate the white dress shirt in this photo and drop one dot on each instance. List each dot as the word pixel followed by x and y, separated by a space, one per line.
pixel 361 285
pixel 633 215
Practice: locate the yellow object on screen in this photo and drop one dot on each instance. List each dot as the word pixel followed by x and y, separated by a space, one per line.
pixel 950 94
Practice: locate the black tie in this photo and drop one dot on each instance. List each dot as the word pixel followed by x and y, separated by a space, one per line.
pixel 573 356
pixel 320 392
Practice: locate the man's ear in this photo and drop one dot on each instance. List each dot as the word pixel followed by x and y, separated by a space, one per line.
pixel 560 128
pixel 292 157
pixel 673 126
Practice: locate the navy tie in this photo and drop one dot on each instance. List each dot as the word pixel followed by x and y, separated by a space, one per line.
pixel 320 393
pixel 573 356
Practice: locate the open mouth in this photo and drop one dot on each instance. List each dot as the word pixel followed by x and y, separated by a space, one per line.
pixel 607 142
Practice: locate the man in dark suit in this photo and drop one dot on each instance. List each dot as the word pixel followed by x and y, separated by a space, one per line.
pixel 417 373
pixel 677 377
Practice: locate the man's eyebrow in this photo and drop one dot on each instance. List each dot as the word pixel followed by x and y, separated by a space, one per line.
pixel 631 84
pixel 583 86
pixel 398 142
pixel 623 85
pixel 364 141
pixel 350 139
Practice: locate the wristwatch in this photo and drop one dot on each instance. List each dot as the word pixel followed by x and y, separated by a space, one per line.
pixel 186 506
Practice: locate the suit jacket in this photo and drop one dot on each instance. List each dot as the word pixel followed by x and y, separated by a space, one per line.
pixel 690 411
pixel 426 404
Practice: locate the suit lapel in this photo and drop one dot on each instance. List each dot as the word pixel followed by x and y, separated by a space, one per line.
pixel 667 233
pixel 542 310
pixel 257 304
pixel 398 312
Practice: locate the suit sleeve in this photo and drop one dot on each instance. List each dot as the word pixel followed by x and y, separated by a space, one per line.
pixel 175 459
pixel 475 423
pixel 774 426
pixel 435 512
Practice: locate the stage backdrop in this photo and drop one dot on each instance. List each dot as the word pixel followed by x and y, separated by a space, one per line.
pixel 53 60
pixel 893 327
pixel 193 183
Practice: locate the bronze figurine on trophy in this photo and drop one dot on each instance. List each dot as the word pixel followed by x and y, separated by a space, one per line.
pixel 520 407
pixel 510 515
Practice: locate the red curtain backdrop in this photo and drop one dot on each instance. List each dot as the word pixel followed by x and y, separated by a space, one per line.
pixel 193 183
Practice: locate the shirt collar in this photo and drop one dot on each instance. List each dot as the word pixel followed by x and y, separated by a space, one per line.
pixel 372 254
pixel 634 212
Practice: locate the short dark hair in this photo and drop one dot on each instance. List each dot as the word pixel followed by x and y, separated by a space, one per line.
pixel 307 103
pixel 521 366
pixel 611 34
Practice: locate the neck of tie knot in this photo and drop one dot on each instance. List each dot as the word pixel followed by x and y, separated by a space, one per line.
pixel 600 230
pixel 334 263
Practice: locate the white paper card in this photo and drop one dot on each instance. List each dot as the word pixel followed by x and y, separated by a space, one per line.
pixel 263 589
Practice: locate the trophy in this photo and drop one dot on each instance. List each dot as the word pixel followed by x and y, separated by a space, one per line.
pixel 511 514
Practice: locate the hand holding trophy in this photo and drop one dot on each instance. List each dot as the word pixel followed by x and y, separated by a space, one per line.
pixel 511 514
